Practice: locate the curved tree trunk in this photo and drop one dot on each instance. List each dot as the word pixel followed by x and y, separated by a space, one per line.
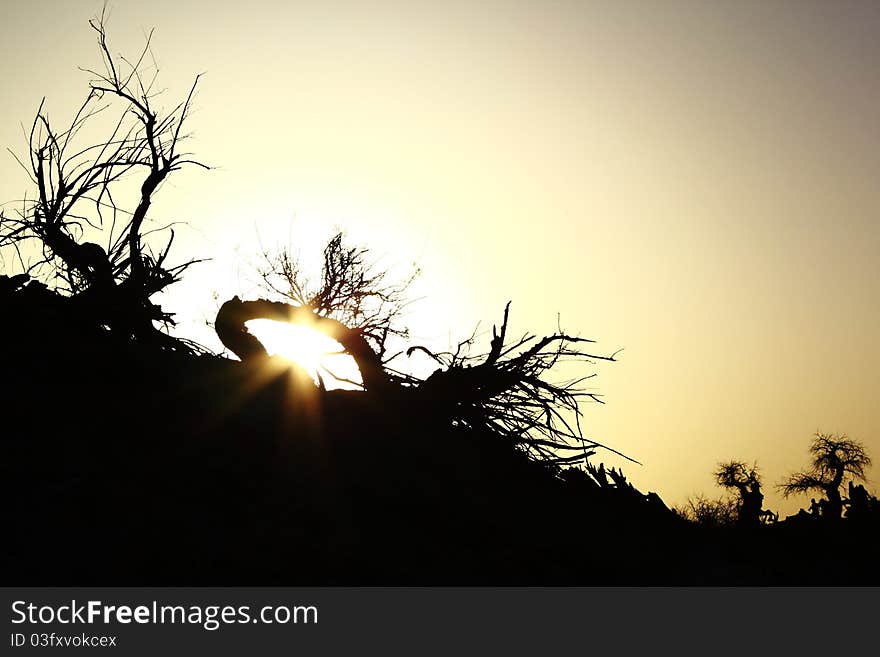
pixel 231 329
pixel 835 503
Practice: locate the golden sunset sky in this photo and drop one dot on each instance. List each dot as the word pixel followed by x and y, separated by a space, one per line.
pixel 694 182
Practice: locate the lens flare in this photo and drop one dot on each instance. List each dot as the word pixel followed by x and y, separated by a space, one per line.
pixel 318 354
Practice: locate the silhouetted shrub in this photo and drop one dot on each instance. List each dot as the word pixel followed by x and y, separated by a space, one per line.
pixel 722 512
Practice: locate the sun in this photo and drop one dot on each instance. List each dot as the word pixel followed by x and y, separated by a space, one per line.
pixel 317 353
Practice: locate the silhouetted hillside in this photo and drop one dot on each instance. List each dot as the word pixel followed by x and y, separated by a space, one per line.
pixel 130 463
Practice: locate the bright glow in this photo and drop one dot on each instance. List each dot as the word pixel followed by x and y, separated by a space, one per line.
pixel 312 350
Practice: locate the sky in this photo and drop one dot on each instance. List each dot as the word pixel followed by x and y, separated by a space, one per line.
pixel 694 183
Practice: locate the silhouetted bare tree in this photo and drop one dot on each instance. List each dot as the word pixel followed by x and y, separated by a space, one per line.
pixel 506 390
pixel 834 457
pixel 746 481
pixel 503 389
pixel 79 186
pixel 353 301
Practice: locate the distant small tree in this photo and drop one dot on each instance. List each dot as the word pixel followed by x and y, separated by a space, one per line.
pixel 746 481
pixel 834 458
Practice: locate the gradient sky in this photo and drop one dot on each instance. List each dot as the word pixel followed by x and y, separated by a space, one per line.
pixel 694 182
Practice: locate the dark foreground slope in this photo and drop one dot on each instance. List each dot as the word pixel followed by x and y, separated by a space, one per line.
pixel 123 464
